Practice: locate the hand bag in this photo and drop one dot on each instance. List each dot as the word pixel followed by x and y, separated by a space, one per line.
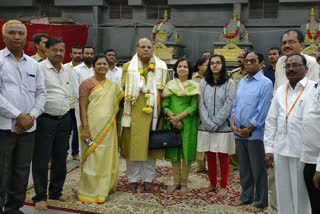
pixel 162 139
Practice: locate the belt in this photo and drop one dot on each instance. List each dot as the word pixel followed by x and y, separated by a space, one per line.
pixel 54 117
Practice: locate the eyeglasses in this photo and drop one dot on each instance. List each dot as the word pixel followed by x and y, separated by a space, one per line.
pixel 252 61
pixel 290 42
pixel 215 63
pixel 293 66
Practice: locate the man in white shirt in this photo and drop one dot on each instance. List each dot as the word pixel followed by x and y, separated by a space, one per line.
pixel 22 99
pixel 114 73
pixel 52 135
pixel 311 148
pixel 76 56
pixel 80 73
pixel 292 42
pixel 283 137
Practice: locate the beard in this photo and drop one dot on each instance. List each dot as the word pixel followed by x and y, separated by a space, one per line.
pixel 77 59
pixel 88 60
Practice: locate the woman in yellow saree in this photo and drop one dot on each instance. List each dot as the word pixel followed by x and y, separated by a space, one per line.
pixel 99 104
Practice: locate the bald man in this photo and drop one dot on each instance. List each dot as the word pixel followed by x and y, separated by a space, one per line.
pixel 137 121
pixel 20 75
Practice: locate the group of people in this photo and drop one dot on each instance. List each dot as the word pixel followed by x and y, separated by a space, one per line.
pixel 258 118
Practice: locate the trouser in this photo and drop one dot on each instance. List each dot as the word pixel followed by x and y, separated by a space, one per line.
pixel 145 169
pixel 52 139
pixel 292 194
pixel 180 172
pixel 201 161
pixel 234 158
pixel 253 173
pixel 314 194
pixel 273 191
pixel 15 156
pixel 75 137
pixel 212 168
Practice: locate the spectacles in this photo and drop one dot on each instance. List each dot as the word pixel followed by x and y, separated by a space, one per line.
pixel 290 42
pixel 252 61
pixel 215 63
pixel 293 66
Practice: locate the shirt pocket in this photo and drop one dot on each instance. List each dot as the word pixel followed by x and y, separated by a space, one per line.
pixel 29 80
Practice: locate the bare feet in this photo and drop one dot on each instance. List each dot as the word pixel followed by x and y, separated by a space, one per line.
pixel 222 192
pixel 148 185
pixel 132 186
pixel 41 206
pixel 64 198
pixel 172 189
pixel 208 189
pixel 184 190
pixel 76 157
pixel 253 209
pixel 237 202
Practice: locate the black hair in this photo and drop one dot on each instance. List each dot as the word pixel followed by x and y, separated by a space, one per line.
pixel 53 41
pixel 109 50
pixel 299 34
pixel 37 37
pixel 275 48
pixel 99 56
pixel 87 47
pixel 189 67
pixel 208 76
pixel 206 52
pixel 199 62
pixel 75 47
pixel 259 55
pixel 304 60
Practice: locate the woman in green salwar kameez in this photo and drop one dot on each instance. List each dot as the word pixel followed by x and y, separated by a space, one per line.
pixel 180 105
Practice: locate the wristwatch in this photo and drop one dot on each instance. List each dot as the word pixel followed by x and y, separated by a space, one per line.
pixel 32 116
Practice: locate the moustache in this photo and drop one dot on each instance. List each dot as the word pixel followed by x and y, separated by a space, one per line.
pixel 291 72
pixel 290 49
pixel 77 59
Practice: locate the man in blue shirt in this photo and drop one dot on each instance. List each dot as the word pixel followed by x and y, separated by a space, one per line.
pixel 273 55
pixel 248 117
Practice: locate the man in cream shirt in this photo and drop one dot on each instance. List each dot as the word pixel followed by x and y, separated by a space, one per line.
pixel 52 135
pixel 282 137
pixel 292 42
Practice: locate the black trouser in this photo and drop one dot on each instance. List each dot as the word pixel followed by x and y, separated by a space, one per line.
pixel 15 157
pixel 314 194
pixel 253 173
pixel 52 138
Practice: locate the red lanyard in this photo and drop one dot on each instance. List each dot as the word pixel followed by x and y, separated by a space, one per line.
pixel 295 102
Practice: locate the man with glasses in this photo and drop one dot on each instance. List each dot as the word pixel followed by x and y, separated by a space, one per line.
pixel 283 137
pixel 249 112
pixel 52 135
pixel 292 42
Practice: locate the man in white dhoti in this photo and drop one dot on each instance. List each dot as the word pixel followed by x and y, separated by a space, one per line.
pixel 283 137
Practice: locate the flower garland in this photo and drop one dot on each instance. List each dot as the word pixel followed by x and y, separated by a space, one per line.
pixel 309 33
pixel 149 88
pixel 231 35
pixel 156 29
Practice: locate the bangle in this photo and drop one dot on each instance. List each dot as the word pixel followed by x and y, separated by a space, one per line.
pixel 83 125
pixel 32 116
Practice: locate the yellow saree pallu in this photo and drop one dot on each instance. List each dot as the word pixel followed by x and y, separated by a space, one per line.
pixel 100 162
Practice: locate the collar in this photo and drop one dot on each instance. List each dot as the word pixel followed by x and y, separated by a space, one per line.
pixel 257 76
pixel 7 53
pixel 84 65
pixel 115 69
pixel 50 66
pixel 302 83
